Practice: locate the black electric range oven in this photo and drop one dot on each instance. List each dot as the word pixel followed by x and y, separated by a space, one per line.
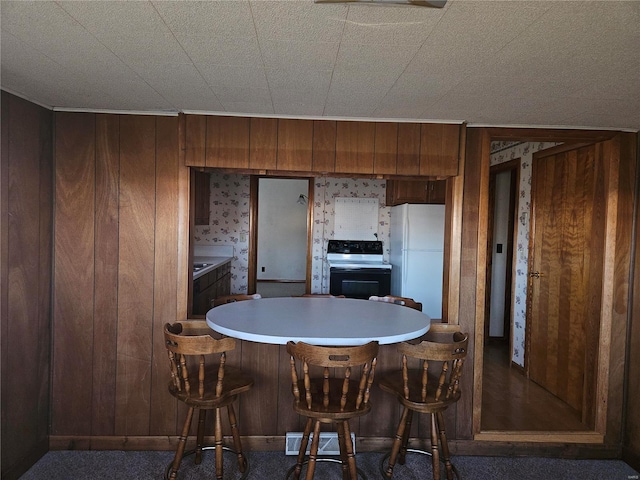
pixel 357 269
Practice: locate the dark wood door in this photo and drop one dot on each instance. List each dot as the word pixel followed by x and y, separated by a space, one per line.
pixel 565 270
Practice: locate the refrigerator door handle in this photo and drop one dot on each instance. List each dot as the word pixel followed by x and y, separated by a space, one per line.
pixel 405 233
pixel 405 255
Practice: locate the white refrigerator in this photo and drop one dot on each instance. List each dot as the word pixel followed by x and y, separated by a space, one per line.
pixel 417 254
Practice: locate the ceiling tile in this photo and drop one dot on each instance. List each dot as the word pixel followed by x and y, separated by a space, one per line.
pixel 297 20
pixel 282 54
pixel 396 25
pixel 220 19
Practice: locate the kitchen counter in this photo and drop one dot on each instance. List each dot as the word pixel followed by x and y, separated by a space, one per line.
pixel 212 264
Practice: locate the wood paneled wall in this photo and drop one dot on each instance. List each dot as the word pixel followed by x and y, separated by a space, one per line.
pixel 620 172
pixel 120 186
pixel 120 210
pixel 121 254
pixel 26 201
pixel 328 146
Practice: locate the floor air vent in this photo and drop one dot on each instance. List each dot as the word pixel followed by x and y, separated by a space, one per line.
pixel 328 443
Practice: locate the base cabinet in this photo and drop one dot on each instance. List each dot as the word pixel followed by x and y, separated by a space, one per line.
pixel 210 286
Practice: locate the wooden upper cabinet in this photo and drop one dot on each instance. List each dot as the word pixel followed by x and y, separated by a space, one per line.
pixel 408 159
pixel 439 149
pixel 416 191
pixel 195 134
pixel 227 142
pixel 385 148
pixel 354 147
pixel 324 145
pixel 263 143
pixel 295 144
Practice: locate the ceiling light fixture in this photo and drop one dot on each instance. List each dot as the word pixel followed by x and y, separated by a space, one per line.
pixel 415 3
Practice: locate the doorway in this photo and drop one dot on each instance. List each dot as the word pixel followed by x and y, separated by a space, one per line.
pixel 507 325
pixel 282 223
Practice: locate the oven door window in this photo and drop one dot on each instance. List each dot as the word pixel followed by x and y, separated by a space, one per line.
pixel 360 282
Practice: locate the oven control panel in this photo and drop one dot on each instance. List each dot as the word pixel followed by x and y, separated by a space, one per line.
pixel 368 247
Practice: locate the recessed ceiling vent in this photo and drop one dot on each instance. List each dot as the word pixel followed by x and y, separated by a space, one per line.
pixel 415 3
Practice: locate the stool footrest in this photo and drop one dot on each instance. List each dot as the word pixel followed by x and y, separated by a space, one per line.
pixel 413 450
pixel 212 447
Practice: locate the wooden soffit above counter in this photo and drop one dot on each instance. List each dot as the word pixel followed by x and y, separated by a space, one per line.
pixel 286 146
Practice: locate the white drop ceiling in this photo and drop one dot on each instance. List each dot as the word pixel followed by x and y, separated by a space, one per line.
pixel 485 62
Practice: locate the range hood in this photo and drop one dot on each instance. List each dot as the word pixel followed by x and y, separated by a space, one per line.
pixel 416 3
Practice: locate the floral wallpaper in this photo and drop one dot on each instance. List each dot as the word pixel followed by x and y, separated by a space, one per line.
pixel 326 190
pixel 229 224
pixel 504 152
pixel 230 221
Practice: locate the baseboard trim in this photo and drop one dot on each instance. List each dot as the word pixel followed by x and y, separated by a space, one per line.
pixel 363 444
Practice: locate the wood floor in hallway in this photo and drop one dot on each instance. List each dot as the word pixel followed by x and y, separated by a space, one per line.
pixel 511 402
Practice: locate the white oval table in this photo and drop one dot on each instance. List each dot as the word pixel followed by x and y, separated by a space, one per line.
pixel 318 321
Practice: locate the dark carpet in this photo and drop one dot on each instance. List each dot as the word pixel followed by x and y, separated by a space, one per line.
pixel 82 465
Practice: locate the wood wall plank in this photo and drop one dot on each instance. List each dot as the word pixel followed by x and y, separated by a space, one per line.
pixel 439 149
pixel 474 218
pixel 227 142
pixel 324 145
pixel 354 147
pixel 25 274
pixel 105 288
pixel 385 148
pixel 631 446
pixel 165 289
pixel 195 137
pixel 408 160
pixel 135 274
pixel 73 336
pixel 263 143
pixel 295 144
pixel 259 405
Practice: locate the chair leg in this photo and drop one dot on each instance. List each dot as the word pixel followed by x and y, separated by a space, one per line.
pixel 303 448
pixel 444 445
pixel 343 451
pixel 313 453
pixel 348 445
pixel 405 438
pixel 397 443
pixel 237 444
pixel 435 452
pixel 181 444
pixel 202 415
pixel 218 440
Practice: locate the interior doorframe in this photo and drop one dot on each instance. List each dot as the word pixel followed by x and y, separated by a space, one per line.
pixel 514 167
pixel 478 157
pixel 252 273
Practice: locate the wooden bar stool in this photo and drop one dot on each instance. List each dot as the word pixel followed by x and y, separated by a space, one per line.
pixel 405 301
pixel 339 394
pixel 201 379
pixel 428 382
pixel 234 298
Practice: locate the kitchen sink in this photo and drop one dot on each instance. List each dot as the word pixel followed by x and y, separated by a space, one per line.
pixel 199 266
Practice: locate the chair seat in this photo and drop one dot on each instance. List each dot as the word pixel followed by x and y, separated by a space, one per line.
pixel 235 382
pixel 332 411
pixel 393 383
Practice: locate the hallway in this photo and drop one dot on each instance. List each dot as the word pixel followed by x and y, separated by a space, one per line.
pixel 510 402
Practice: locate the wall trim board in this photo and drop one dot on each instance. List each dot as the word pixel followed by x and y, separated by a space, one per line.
pixel 363 444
